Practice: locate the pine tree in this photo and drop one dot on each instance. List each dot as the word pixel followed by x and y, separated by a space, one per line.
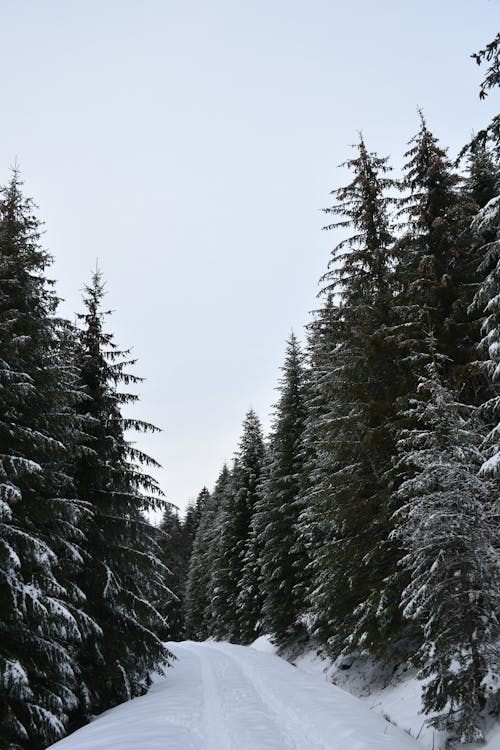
pixel 449 531
pixel 123 574
pixel 282 556
pixel 41 621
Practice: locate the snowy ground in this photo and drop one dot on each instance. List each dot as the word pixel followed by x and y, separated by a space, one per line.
pixel 219 696
pixel 395 694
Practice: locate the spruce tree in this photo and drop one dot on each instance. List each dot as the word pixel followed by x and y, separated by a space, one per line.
pixel 193 517
pixel 247 478
pixel 204 576
pixel 350 602
pixel 235 609
pixel 41 622
pixel 434 262
pixel 483 176
pixel 221 612
pixel 319 458
pixel 123 574
pixel 490 54
pixel 449 531
pixel 224 580
pixel 216 516
pixel 282 556
pixel 198 580
pixel 250 597
pixel 196 522
pixel 174 556
pixel 486 303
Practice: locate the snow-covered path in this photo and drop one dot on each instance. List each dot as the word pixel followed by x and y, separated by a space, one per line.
pixel 219 696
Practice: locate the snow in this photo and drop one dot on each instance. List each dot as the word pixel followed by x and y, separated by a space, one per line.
pixel 491 466
pixel 219 696
pixel 395 694
pixel 14 675
pixel 264 644
pixel 487 218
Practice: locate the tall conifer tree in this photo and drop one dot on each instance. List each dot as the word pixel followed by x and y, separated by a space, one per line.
pixel 199 574
pixel 41 622
pixel 282 555
pixel 449 531
pixel 236 611
pixel 174 554
pixel 435 265
pixel 486 232
pixel 123 574
pixel 349 599
pixel 483 176
pixel 193 516
pixel 248 476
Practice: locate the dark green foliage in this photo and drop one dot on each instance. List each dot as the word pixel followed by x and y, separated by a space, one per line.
pixel 437 260
pixel 223 583
pixel 250 598
pixel 281 557
pixel 202 589
pixel 220 614
pixel 486 233
pixel 313 532
pixel 431 245
pixel 174 554
pixel 246 478
pixel 193 516
pixel 40 618
pixel 177 554
pixel 490 54
pixel 123 574
pixel 357 396
pixel 235 603
pixel 198 580
pixel 483 177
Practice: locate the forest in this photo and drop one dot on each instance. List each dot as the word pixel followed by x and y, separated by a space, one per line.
pixel 366 521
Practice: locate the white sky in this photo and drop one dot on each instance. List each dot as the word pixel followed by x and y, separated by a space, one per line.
pixel 189 145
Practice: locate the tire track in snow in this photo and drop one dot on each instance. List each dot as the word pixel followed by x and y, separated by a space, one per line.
pixel 216 737
pixel 318 716
pixel 302 736
pixel 250 723
pixel 219 696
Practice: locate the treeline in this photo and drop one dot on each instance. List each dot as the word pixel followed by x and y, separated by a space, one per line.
pixel 368 520
pixel 177 538
pixel 83 589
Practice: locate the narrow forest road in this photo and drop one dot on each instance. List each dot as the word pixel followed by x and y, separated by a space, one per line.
pixel 219 696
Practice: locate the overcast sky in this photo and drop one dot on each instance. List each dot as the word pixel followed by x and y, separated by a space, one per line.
pixel 189 146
